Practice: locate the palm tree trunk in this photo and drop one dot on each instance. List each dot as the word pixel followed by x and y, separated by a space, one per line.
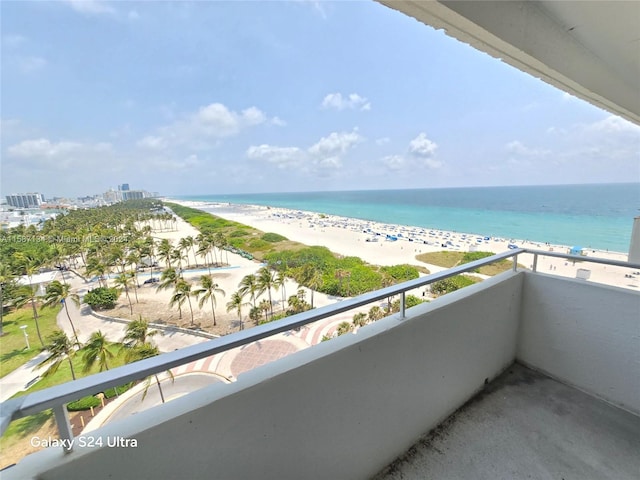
pixel 191 310
pixel 73 373
pixel 73 328
pixel 213 311
pixel 35 317
pixel 159 388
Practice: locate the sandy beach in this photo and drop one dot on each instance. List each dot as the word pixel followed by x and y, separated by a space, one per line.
pixel 368 240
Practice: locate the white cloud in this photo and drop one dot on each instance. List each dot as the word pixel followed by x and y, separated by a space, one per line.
pixel 335 144
pixel 353 101
pixel 321 158
pixel 422 147
pixel 280 156
pixel 422 152
pixel 203 128
pixel 278 122
pixel 394 162
pixel 91 7
pixel 170 165
pixel 31 64
pixel 133 15
pixel 613 124
pixel 518 148
pixel 153 143
pixel 61 155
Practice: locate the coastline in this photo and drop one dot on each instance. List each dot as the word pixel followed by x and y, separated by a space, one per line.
pixel 348 236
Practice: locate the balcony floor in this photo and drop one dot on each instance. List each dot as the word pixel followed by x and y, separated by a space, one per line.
pixel 525 425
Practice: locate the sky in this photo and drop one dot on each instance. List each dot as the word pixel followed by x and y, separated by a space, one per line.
pixel 249 97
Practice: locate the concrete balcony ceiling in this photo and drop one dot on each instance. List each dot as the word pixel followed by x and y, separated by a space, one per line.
pixel 590 49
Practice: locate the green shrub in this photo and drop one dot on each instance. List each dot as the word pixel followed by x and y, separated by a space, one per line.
pixel 111 392
pixel 84 403
pixel 452 284
pixel 409 301
pixel 469 257
pixel 101 298
pixel 273 237
pixel 258 244
pixel 238 233
pixel 401 273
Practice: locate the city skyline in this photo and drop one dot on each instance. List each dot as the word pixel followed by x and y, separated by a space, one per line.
pixel 220 97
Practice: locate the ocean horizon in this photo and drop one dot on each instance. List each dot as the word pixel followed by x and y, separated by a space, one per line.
pixel 597 216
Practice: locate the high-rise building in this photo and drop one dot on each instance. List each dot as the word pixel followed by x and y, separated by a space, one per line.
pixel 133 194
pixel 124 187
pixel 25 200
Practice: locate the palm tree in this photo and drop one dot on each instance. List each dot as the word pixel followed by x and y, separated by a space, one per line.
pixel 208 291
pixel 185 244
pixel 60 348
pixel 236 303
pixel 359 319
pixel 138 333
pixel 124 281
pixel 265 281
pixel 5 278
pixel 312 278
pixel 221 242
pixel 169 279
pixel 181 293
pixel 249 285
pixel 281 280
pixel 203 250
pixel 265 306
pixel 96 266
pixel 32 266
pixel 164 251
pixel 137 341
pixel 146 350
pixel 344 327
pixel 375 313
pixel 61 293
pixel 134 258
pixel 96 351
pixel 24 295
pixel 177 255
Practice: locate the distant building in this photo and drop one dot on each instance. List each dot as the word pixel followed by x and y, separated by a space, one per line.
pixel 25 200
pixel 133 194
pixel 124 187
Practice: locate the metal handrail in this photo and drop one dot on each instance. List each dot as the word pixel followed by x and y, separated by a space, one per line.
pixel 56 397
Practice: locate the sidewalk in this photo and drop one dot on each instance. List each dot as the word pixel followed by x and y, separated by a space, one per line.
pixel 18 380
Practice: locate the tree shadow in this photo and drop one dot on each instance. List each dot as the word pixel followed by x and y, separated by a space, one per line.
pixel 9 355
pixel 32 423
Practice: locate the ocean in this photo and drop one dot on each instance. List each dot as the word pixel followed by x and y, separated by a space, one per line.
pixel 591 216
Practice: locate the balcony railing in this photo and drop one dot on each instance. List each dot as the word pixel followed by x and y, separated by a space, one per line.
pixel 57 397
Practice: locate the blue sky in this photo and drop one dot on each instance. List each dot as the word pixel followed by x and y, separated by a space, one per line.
pixel 239 97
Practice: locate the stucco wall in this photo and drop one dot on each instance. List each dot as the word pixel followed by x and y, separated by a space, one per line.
pixel 342 409
pixel 585 334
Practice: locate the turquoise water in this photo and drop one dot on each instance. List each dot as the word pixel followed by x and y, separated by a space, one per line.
pixel 595 216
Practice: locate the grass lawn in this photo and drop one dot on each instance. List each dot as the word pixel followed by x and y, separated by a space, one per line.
pixel 25 427
pixel 452 259
pixel 13 349
pixel 64 371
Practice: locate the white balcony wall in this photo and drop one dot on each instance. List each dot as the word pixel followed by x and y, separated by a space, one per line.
pixel 342 409
pixel 584 334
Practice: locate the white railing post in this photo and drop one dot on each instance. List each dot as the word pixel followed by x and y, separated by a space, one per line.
pixel 64 426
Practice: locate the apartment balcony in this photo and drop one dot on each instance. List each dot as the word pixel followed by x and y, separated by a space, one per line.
pixel 524 375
